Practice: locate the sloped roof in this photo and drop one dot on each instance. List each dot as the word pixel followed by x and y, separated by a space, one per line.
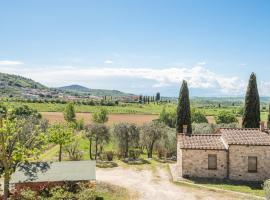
pixel 201 141
pixel 55 171
pixel 245 136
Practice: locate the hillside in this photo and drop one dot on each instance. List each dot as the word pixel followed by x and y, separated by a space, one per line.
pixel 93 92
pixel 13 85
pixel 18 86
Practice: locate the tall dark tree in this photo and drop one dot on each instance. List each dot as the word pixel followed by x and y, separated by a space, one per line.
pixel 183 110
pixel 251 116
pixel 268 118
pixel 158 96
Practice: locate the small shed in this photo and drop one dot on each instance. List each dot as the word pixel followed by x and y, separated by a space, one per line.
pixel 47 174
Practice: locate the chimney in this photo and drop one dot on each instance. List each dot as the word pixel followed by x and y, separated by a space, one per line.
pixel 262 128
pixel 185 129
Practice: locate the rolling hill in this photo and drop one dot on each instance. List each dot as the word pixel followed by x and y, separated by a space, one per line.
pixel 93 92
pixel 18 86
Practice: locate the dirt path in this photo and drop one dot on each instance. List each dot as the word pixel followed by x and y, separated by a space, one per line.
pixel 157 185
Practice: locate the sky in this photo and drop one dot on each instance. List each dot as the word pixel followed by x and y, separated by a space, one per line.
pixel 139 46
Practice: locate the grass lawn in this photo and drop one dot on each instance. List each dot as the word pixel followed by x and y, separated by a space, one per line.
pixel 111 192
pixel 254 188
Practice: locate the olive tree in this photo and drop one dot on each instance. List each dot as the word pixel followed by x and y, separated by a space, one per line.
pixel 151 133
pixel 100 134
pixel 127 136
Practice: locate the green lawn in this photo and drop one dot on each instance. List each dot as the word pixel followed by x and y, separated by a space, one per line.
pixel 253 188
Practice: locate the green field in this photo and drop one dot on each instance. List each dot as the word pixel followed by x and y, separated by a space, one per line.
pixel 135 108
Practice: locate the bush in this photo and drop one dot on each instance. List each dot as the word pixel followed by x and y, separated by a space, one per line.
pixel 73 151
pixel 109 155
pixel 198 117
pixel 225 117
pixel 134 154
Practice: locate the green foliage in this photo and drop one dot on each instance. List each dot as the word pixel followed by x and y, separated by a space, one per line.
pixel 151 133
pixel 80 124
pixel 98 133
pixel 100 116
pixel 166 146
pixel 183 110
pixel 251 116
pixel 127 137
pixel 168 118
pixel 61 135
pixel 203 128
pixel 69 112
pixel 73 150
pixel 225 117
pixel 21 138
pixel 198 117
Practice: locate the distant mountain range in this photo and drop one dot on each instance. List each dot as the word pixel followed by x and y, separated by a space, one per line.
pixel 18 86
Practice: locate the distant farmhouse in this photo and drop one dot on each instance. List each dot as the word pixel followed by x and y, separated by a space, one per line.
pixel 49 174
pixel 236 154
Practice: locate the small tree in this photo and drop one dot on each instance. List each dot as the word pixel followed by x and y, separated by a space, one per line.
pixel 101 116
pixel 21 138
pixel 150 134
pixel 100 134
pixel 127 136
pixel 69 113
pixel 60 135
pixel 198 117
pixel 225 117
pixel 168 118
pixel 183 110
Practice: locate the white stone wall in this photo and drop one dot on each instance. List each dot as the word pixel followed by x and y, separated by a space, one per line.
pixel 194 163
pixel 238 156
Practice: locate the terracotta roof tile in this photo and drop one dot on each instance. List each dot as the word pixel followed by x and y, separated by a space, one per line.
pixel 201 141
pixel 245 136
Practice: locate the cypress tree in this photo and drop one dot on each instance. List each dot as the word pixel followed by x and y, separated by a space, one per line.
pixel 268 118
pixel 251 116
pixel 183 110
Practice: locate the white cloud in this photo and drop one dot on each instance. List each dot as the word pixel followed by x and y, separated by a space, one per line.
pixel 108 62
pixel 10 62
pixel 198 77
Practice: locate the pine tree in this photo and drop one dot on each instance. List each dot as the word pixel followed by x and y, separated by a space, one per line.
pixel 183 110
pixel 251 117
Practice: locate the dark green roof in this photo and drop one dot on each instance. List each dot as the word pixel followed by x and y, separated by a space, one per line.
pixel 55 171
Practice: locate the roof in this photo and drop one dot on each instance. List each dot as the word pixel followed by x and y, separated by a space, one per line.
pixel 55 171
pixel 224 138
pixel 245 137
pixel 201 141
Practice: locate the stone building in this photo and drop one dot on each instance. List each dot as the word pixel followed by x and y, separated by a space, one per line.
pixel 236 154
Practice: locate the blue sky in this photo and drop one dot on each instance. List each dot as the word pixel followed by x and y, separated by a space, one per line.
pixel 139 46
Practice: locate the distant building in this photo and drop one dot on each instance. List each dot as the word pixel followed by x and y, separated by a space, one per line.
pixel 236 154
pixel 48 174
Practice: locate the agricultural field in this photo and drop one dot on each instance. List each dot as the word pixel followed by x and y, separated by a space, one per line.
pixel 139 119
pixel 134 112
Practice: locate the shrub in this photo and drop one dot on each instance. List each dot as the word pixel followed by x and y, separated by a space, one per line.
pixel 80 124
pixel 109 155
pixel 134 154
pixel 225 117
pixel 73 151
pixel 198 117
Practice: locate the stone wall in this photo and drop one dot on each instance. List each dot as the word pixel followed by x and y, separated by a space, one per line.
pixel 238 156
pixel 194 163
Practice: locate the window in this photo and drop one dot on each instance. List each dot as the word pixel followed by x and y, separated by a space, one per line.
pixel 212 161
pixel 252 164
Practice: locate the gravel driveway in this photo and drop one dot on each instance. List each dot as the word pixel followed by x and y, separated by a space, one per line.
pixel 156 185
